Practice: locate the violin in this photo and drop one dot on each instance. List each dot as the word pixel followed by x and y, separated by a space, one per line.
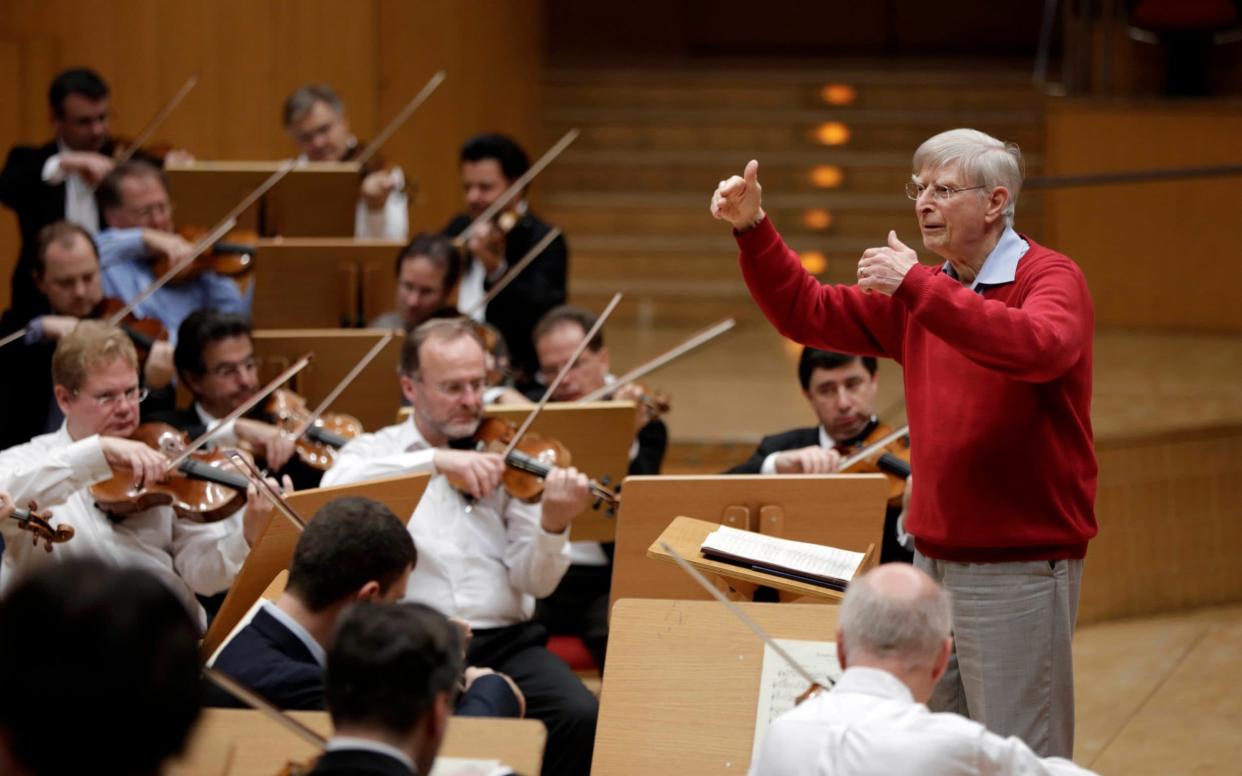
pixel 318 445
pixel 891 459
pixel 528 464
pixel 203 488
pixel 143 332
pixel 39 524
pixel 231 256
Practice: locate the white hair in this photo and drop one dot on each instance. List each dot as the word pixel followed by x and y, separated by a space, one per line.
pixel 982 160
pixel 902 625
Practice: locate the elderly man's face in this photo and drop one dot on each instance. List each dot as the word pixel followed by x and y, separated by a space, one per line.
pixel 950 225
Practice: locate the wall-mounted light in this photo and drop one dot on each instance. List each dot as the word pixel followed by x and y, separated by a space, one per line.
pixel 817 219
pixel 826 176
pixel 838 94
pixel 814 262
pixel 832 133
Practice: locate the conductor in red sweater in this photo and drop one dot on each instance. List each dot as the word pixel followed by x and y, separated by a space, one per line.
pixel 996 345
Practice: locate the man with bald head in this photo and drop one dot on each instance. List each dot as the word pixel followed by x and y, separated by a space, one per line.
pixel 893 642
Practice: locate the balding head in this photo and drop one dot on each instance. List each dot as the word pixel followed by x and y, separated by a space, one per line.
pixel 895 613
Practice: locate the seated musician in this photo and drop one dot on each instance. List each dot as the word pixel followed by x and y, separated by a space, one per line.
pixel 354 549
pixel 427 271
pixel 486 556
pixel 95 376
pixel 314 117
pixel 66 273
pixel 100 671
pixel 489 164
pixel 55 181
pixel 841 391
pixel 580 604
pixel 139 217
pixel 216 364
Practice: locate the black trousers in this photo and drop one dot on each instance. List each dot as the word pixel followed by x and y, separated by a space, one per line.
pixel 579 607
pixel 554 695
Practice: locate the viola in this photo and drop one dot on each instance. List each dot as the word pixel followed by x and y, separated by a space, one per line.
pixel 39 524
pixel 204 487
pixel 318 445
pixel 231 256
pixel 891 459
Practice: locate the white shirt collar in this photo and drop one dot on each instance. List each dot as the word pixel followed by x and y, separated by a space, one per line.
pixel 205 416
pixel 873 681
pixel 338 743
pixel 295 627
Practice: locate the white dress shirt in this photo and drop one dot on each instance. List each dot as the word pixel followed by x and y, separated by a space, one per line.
pixel 870 724
pixel 188 557
pixel 390 222
pixel 79 195
pixel 485 562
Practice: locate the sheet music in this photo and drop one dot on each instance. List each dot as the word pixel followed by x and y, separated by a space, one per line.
pixel 813 559
pixel 460 766
pixel 780 685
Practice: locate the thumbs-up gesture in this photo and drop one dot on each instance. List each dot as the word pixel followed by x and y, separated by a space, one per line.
pixel 882 269
pixel 738 199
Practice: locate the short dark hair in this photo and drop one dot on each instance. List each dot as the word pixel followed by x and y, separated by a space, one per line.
pixel 60 233
pixel 104 653
pixel 199 329
pixel 108 195
pixel 512 159
pixel 568 314
pixel 388 663
pixel 812 359
pixel 348 543
pixel 75 80
pixel 434 328
pixel 439 250
pixel 297 104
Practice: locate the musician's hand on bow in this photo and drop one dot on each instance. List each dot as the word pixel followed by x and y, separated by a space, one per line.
pixel 807 460
pixel 377 186
pixel 93 167
pixel 882 269
pixel 57 326
pixel 174 246
pixel 566 492
pixel 148 464
pixel 738 200
pixel 259 508
pixel 478 473
pixel 159 368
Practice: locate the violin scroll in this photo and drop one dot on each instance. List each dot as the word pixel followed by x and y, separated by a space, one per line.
pixel 39 524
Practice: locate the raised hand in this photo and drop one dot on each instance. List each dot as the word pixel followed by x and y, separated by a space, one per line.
pixel 882 269
pixel 738 200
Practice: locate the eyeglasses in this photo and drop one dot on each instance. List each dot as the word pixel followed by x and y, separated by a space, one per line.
pixel 939 191
pixel 455 390
pixel 232 369
pixel 107 401
pixel 151 211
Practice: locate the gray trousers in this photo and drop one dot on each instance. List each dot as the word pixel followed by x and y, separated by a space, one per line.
pixel 1011 667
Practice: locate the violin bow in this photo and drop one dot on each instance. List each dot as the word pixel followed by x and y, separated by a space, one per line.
pixel 509 276
pixel 260 704
pixel 344 383
pixel 737 612
pixel 516 187
pixel 640 371
pixel 395 124
pixel 568 365
pixel 245 407
pixel 15 336
pixel 250 472
pixel 873 448
pixel 158 119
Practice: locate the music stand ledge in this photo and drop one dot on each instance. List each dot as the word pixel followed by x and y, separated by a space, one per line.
pixel 687 534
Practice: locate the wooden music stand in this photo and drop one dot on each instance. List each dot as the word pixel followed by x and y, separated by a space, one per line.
pixel 839 510
pixel 599 435
pixel 260 747
pixel 680 693
pixel 320 282
pixel 274 550
pixel 316 199
pixel 370 398
pixel 686 536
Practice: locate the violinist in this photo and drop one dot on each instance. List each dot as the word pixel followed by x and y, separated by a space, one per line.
pixel 314 117
pixel 489 164
pixel 95 376
pixel 427 271
pixel 352 550
pixel 66 273
pixel 580 604
pixel 841 390
pixel 139 218
pixel 55 181
pixel 486 556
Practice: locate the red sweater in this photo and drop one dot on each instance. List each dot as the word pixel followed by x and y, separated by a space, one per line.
pixel 998 392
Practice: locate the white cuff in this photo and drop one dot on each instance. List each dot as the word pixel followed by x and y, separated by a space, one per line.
pixel 52 173
pixel 551 543
pixel 769 464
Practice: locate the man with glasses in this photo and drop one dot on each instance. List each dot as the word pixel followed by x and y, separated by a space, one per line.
pixel 139 216
pixel 996 345
pixel 95 371
pixel 484 556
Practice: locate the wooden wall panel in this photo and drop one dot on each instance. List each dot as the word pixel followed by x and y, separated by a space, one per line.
pixel 1156 254
pixel 250 54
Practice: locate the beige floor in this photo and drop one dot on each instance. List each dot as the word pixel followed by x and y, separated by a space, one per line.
pixel 1161 695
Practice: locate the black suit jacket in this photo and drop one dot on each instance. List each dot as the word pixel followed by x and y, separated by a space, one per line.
pixel 359 762
pixel 788 440
pixel 268 658
pixel 652 444
pixel 26 389
pixel 539 287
